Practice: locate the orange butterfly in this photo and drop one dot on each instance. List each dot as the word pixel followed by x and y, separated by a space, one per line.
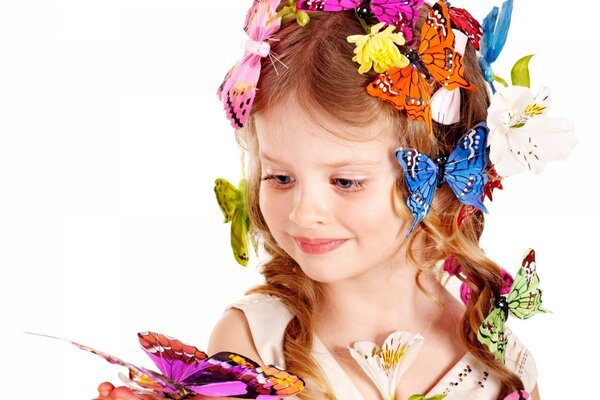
pixel 409 88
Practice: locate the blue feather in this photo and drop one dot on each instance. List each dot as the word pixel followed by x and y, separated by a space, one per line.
pixel 495 30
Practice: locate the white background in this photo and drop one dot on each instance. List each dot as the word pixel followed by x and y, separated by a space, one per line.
pixel 112 136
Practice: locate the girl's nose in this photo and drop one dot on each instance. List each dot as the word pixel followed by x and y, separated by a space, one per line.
pixel 309 208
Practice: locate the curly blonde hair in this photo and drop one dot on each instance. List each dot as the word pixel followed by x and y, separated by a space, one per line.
pixel 321 73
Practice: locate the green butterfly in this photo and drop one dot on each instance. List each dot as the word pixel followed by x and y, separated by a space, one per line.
pixel 523 301
pixel 421 397
pixel 233 204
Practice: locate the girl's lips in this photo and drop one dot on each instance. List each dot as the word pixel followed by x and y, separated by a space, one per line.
pixel 318 246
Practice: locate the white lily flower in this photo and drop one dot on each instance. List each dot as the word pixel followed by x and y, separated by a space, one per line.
pixel 522 137
pixel 385 364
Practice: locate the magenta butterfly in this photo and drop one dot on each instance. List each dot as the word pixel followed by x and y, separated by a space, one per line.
pixel 187 372
pixel 401 13
pixel 239 86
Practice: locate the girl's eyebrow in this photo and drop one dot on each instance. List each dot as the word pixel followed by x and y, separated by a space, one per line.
pixel 336 164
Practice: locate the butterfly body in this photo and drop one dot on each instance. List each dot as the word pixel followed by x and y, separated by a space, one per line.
pixel 462 170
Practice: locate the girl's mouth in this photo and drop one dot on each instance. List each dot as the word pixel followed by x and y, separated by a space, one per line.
pixel 318 246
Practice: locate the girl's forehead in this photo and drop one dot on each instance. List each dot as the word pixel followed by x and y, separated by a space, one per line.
pixel 287 125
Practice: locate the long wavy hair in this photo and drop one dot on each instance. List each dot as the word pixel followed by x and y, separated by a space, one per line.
pixel 321 74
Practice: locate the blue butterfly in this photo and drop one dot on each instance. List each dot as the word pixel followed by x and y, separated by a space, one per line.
pixel 462 170
pixel 495 29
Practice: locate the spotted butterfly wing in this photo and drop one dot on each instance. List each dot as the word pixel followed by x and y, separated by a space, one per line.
pixel 464 171
pixel 238 89
pixel 224 370
pixel 233 205
pixel 491 333
pixel 436 50
pixel 407 89
pixel 175 359
pixel 525 297
pixel 462 20
pixel 421 179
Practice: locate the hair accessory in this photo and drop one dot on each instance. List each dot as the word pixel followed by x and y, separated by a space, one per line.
pixel 239 86
pixel 453 268
pixel 463 170
pixel 462 20
pixel 232 202
pixel 522 137
pixel 408 88
pixel 402 14
pixel 386 364
pixel 187 371
pixel 378 50
pixel 495 31
pixel 517 395
pixel 523 301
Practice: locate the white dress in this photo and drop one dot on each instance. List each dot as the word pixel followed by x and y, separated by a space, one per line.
pixel 468 380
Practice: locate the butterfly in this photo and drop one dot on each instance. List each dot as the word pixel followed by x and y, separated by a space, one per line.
pixel 238 89
pixel 523 301
pixel 409 88
pixel 187 372
pixel 495 31
pixel 462 170
pixel 402 14
pixel 462 20
pixel 232 202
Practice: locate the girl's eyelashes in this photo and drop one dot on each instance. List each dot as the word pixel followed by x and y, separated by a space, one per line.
pixel 343 184
pixel 348 185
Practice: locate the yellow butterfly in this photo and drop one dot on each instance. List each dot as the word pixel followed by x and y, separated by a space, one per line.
pixel 232 201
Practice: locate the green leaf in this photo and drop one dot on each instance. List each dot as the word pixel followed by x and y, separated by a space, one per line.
pixel 421 397
pixel 520 72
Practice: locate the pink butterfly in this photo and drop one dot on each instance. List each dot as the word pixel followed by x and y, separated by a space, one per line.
pixel 402 14
pixel 239 86
pixel 186 371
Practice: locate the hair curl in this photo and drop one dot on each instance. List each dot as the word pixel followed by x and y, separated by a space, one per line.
pixel 321 73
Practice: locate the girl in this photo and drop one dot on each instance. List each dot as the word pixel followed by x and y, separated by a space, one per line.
pixel 348 261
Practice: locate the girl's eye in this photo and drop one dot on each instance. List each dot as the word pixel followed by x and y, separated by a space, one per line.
pixel 278 180
pixel 350 185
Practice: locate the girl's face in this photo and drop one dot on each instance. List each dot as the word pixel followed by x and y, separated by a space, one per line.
pixel 328 200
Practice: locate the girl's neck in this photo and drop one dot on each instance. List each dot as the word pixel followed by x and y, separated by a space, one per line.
pixel 371 306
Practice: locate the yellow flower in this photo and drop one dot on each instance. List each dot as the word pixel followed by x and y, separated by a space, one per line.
pixel 378 50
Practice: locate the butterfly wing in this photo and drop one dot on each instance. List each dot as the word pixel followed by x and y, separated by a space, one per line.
pixel 421 180
pixel 403 14
pixel 465 167
pixel 145 378
pixel 238 89
pixel 491 333
pixel 230 374
pixel 462 20
pixel 436 50
pixel 407 89
pixel 232 202
pixel 175 359
pixel 327 5
pixel 525 297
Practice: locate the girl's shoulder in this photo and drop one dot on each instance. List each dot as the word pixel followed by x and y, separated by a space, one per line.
pixel 265 318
